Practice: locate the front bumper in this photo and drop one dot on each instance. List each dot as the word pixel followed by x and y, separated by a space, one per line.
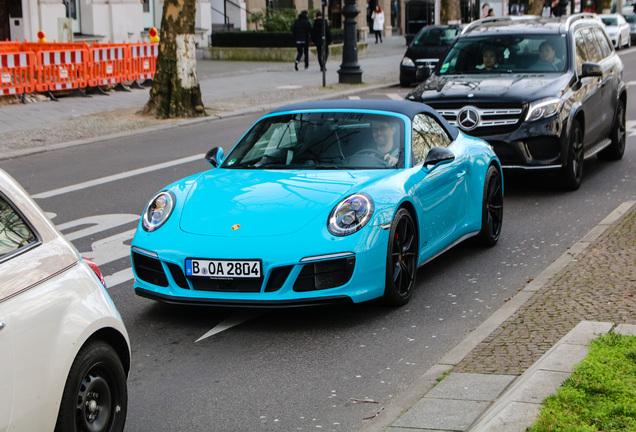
pixel 296 271
pixel 539 145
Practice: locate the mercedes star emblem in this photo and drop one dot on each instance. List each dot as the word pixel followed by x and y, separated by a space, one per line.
pixel 468 118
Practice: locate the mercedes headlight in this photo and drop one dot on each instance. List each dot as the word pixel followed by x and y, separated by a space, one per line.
pixel 158 210
pixel 543 108
pixel 408 62
pixel 350 215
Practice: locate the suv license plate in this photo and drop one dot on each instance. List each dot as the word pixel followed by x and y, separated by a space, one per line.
pixel 223 269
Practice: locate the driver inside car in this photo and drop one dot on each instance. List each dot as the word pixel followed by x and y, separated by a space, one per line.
pixel 383 135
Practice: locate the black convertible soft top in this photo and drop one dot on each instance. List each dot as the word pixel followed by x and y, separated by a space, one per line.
pixel 408 108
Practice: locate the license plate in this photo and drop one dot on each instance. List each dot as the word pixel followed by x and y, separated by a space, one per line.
pixel 223 269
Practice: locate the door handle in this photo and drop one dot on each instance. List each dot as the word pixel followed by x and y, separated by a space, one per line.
pixel 461 175
pixel 2 325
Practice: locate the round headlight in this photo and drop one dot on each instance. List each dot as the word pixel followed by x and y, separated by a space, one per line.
pixel 158 210
pixel 350 215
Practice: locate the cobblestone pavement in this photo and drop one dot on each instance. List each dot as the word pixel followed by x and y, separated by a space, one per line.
pixel 599 285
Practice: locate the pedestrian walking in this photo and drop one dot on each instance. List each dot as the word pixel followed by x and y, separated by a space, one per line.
pixel 485 9
pixel 321 34
pixel 378 22
pixel 301 29
pixel 559 7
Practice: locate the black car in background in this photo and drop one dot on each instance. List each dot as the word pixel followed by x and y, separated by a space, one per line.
pixel 546 93
pixel 424 51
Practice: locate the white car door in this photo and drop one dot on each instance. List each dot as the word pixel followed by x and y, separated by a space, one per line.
pixel 7 372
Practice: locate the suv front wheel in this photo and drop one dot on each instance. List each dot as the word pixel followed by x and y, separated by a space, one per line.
pixel 572 171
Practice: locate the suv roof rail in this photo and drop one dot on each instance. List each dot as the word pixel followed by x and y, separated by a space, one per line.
pixel 489 20
pixel 579 16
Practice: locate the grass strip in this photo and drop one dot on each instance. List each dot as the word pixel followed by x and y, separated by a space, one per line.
pixel 600 395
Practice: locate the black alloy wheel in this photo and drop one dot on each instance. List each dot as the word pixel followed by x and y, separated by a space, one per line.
pixel 572 171
pixel 401 265
pixel 492 208
pixel 616 149
pixel 95 396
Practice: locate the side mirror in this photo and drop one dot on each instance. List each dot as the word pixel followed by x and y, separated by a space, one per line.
pixel 591 70
pixel 214 156
pixel 438 155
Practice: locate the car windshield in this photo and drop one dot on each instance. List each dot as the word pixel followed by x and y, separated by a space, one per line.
pixel 321 140
pixel 506 54
pixel 610 21
pixel 436 36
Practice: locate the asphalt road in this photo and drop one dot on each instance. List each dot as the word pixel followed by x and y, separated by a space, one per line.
pixel 328 368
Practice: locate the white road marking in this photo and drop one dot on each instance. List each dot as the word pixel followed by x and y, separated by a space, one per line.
pixel 95 224
pixel 394 96
pixel 233 320
pixel 111 248
pixel 354 98
pixel 116 177
pixel 119 277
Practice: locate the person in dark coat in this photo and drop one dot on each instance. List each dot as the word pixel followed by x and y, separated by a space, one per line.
pixel 317 34
pixel 301 30
pixel 559 7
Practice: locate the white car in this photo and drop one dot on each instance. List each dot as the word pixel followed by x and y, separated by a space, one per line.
pixel 64 350
pixel 617 29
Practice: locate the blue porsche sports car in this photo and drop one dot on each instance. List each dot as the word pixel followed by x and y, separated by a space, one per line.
pixel 320 202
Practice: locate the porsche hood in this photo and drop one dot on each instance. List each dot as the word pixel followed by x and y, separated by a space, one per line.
pixel 248 203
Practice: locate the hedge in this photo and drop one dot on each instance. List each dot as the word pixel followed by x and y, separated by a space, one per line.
pixel 261 38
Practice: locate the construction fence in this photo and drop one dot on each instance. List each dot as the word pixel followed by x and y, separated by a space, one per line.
pixel 45 67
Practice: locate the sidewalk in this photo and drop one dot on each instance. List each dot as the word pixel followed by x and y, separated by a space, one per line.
pixel 502 371
pixel 228 88
pixel 500 374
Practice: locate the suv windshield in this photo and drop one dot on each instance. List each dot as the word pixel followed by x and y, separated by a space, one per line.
pixel 321 140
pixel 506 54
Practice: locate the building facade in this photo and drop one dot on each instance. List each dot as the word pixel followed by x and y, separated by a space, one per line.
pixel 116 21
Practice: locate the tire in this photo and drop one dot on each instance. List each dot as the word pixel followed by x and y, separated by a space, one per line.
pixel 572 171
pixel 401 260
pixel 616 149
pixel 491 208
pixel 95 397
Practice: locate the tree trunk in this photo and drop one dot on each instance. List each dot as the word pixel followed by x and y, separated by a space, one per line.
pixel 450 11
pixel 535 7
pixel 175 91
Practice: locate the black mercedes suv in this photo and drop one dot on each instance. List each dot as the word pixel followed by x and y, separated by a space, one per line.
pixel 546 93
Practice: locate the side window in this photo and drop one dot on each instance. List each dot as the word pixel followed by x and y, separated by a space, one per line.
pixel 581 50
pixel 14 231
pixel 427 133
pixel 593 52
pixel 603 44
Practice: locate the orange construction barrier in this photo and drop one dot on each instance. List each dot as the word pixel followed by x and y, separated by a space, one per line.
pixel 9 46
pixel 17 74
pixel 142 61
pixel 51 46
pixel 62 70
pixel 109 64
